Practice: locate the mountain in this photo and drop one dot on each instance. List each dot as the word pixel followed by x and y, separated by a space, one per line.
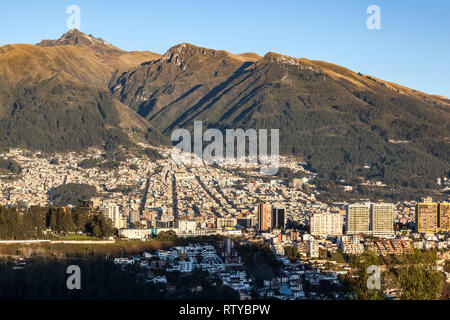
pixel 77 38
pixel 54 96
pixel 80 91
pixel 339 121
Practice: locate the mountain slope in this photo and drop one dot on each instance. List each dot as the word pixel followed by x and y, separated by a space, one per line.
pixel 338 120
pixel 80 91
pixel 55 96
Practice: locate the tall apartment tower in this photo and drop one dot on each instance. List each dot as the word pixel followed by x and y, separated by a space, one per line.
pixel 264 216
pixel 278 218
pixel 444 216
pixel 357 218
pixel 426 216
pixel 382 219
pixel 326 224
pixel 112 212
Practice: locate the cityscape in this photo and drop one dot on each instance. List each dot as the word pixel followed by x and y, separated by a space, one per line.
pixel 224 159
pixel 311 242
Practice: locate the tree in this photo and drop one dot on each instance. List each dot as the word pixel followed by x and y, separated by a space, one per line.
pixel 80 217
pixel 167 235
pixel 418 277
pixel 106 229
pixel 292 253
pixel 359 285
pixel 52 219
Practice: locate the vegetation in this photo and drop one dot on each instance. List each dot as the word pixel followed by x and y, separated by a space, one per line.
pixel 418 278
pixel 32 223
pixel 152 154
pixel 359 285
pixel 10 166
pixel 292 253
pixel 289 175
pixel 259 260
pixel 414 276
pixel 70 194
pixel 167 236
pixel 58 115
pixel 362 129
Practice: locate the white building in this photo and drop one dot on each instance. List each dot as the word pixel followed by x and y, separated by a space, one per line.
pixel 382 219
pixel 112 212
pixel 136 234
pixel 187 226
pixel 326 224
pixel 312 246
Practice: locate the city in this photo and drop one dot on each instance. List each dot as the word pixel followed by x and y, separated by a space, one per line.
pixel 224 159
pixel 310 240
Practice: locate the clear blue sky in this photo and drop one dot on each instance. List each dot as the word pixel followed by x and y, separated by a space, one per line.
pixel 412 48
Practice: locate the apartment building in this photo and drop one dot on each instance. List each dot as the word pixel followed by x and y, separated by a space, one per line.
pixel 382 219
pixel 358 218
pixel 326 224
pixel 112 212
pixel 444 216
pixel 264 216
pixel 278 218
pixel 427 216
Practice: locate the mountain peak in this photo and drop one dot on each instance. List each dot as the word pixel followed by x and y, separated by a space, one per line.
pixel 190 50
pixel 75 37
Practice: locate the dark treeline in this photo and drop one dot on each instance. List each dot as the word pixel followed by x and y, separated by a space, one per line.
pixel 10 165
pixel 71 193
pixel 45 279
pixel 34 222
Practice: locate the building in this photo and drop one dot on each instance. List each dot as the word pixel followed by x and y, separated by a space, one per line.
pixel 444 216
pixel 278 218
pixel 297 184
pixel 112 212
pixel 136 234
pixel 426 216
pixel 382 219
pixel 222 223
pixel 312 248
pixel 247 222
pixel 264 216
pixel 350 244
pixel 358 218
pixel 187 226
pixel 326 224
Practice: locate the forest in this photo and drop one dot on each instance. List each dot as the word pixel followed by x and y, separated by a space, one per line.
pixel 35 222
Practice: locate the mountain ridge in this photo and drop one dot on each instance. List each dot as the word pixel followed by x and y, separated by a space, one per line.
pixel 338 120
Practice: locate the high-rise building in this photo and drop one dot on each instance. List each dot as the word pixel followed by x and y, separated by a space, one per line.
pixel 264 216
pixel 357 218
pixel 444 216
pixel 278 218
pixel 326 224
pixel 382 219
pixel 426 216
pixel 112 212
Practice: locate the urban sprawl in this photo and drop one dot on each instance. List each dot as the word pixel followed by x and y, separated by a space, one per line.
pixel 144 198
